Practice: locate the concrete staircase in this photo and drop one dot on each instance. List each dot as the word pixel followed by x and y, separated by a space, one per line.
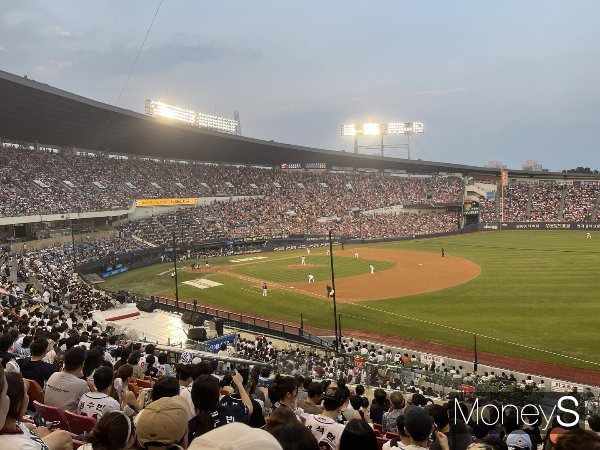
pixel 561 205
pixel 529 201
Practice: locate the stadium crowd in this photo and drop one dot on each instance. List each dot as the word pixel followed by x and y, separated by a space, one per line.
pixel 42 182
pixel 52 349
pixel 263 217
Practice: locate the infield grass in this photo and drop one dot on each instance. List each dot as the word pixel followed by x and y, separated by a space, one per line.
pixel 538 295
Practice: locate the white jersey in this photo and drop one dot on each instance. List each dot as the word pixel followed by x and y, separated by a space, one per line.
pixel 96 404
pixel 327 431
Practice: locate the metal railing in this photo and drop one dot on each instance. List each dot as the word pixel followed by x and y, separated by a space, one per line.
pixel 249 323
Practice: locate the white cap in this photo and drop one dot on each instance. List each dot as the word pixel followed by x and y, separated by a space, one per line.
pixel 235 436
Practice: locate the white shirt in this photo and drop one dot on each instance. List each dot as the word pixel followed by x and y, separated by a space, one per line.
pixel 327 431
pixel 96 404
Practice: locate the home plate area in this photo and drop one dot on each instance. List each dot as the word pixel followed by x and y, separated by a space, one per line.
pixel 202 283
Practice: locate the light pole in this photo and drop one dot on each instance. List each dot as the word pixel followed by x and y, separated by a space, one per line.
pixel 382 130
pixel 335 317
pixel 175 268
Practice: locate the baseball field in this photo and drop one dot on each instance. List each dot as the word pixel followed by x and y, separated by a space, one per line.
pixel 529 295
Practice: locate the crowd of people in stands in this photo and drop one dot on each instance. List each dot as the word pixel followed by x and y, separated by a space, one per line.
pixel 263 217
pixel 299 399
pixel 50 183
pixel 579 205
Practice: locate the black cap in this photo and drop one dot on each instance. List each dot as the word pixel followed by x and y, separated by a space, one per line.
pixel 417 422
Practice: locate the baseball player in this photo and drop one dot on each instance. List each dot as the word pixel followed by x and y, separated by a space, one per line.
pixel 372 268
pixel 443 253
pixel 328 252
pixel 355 255
pixel 588 236
pixel 265 289
pixel 303 260
pixel 307 251
pixel 311 278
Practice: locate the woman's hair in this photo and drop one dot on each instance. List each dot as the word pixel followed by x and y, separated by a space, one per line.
pixel 281 386
pixel 112 431
pixel 162 358
pixel 15 392
pixel 578 440
pixel 295 436
pixel 281 417
pixel 92 362
pixel 358 435
pixel 205 397
pixel 124 372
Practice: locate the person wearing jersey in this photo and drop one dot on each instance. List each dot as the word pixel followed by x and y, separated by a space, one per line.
pixel 210 413
pixel 324 426
pixel 96 404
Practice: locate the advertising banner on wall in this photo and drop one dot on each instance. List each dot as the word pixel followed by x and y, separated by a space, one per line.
pixel 146 202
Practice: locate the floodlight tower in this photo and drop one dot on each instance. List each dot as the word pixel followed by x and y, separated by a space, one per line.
pixel 382 129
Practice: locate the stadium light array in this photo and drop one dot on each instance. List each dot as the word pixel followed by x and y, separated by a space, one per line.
pixel 382 129
pixel 160 109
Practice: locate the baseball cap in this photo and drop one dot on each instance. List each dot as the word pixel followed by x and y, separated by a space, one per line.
pixel 163 421
pixel 518 440
pixel 417 422
pixel 75 355
pixel 334 393
pixel 238 436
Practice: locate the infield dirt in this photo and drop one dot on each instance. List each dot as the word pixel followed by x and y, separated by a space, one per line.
pixel 415 273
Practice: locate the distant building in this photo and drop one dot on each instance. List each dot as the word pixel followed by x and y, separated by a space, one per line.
pixel 532 165
pixel 495 165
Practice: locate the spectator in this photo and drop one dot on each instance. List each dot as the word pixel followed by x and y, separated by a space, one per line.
pixel 358 435
pixel 96 404
pixel 34 367
pixel 209 413
pixel 114 430
pixel 418 425
pixel 64 389
pixel 325 426
pixel 165 387
pixel 163 424
pixel 404 440
pixel 456 432
pixel 17 436
pixel 379 405
pixel 578 440
pixel 396 409
pixel 236 436
pixel 594 423
pixel 312 405
pixel 295 436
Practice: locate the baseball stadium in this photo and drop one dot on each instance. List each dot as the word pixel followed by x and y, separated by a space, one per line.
pixel 128 235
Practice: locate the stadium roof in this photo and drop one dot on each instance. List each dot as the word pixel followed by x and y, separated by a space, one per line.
pixel 35 112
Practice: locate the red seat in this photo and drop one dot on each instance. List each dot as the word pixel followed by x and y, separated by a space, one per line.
pixel 378 427
pixel 391 435
pixel 51 414
pixel 79 424
pixel 381 441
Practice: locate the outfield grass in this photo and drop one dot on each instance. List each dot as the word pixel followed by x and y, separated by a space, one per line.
pixel 539 289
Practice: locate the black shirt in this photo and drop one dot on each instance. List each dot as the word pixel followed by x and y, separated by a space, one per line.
pixel 39 371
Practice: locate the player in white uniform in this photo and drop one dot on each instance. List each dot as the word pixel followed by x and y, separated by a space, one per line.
pixel 303 260
pixel 265 289
pixel 372 268
pixel 588 236
pixel 311 278
pixel 307 251
pixel 355 255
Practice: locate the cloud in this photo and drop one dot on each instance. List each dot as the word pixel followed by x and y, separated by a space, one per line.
pixel 53 66
pixel 60 31
pixel 437 92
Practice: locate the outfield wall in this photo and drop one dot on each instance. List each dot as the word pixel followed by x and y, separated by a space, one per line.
pixel 581 226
